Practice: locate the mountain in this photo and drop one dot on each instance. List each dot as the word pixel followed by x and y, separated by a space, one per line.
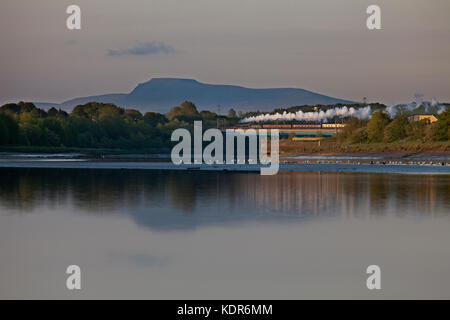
pixel 161 94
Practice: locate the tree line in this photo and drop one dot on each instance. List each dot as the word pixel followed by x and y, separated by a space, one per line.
pixel 99 125
pixel 104 125
pixel 382 129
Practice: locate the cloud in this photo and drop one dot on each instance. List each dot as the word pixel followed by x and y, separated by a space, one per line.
pixel 144 48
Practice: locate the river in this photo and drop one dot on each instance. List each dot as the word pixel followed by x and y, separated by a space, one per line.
pixel 234 235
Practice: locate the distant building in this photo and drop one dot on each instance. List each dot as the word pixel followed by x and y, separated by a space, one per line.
pixel 417 117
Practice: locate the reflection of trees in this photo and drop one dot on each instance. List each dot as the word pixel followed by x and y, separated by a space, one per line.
pixel 25 189
pixel 181 191
pixel 307 193
pixel 301 193
pixel 379 191
pixel 408 194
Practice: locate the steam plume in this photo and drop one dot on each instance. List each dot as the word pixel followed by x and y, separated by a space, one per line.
pixel 430 107
pixel 323 116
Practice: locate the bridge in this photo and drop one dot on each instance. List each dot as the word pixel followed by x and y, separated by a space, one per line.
pixel 300 130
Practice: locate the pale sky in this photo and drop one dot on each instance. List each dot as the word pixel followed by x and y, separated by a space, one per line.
pixel 319 45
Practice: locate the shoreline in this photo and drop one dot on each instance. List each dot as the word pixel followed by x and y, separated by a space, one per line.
pixel 158 153
pixel 306 166
pixel 387 155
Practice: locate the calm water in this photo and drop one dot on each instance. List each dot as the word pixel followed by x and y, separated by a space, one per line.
pixel 169 234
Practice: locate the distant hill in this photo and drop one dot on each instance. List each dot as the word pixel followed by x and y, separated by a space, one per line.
pixel 161 94
pixel 116 98
pixel 46 105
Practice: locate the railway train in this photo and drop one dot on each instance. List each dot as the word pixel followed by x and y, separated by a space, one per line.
pixel 292 126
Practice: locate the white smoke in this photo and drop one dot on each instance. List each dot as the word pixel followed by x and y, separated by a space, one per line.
pixel 430 106
pixel 316 116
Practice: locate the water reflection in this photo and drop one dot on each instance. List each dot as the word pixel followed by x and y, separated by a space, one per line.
pixel 197 235
pixel 183 200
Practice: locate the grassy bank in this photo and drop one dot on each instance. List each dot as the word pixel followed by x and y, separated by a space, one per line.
pixel 289 147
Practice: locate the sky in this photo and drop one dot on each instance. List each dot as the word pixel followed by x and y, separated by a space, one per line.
pixel 319 45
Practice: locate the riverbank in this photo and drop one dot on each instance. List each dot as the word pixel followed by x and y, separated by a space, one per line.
pixel 327 147
pixel 331 147
pixel 317 165
pixel 403 156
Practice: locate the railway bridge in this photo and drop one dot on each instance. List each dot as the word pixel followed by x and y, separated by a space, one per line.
pixel 300 130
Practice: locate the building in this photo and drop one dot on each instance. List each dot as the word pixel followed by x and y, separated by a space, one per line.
pixel 418 117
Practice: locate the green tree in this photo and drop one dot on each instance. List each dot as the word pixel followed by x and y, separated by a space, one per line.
pixel 52 112
pixel 376 125
pixel 187 111
pixel 33 134
pixel 9 129
pixel 353 132
pixel 132 115
pixel 441 128
pixel 232 114
pixel 153 118
pixel 397 129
